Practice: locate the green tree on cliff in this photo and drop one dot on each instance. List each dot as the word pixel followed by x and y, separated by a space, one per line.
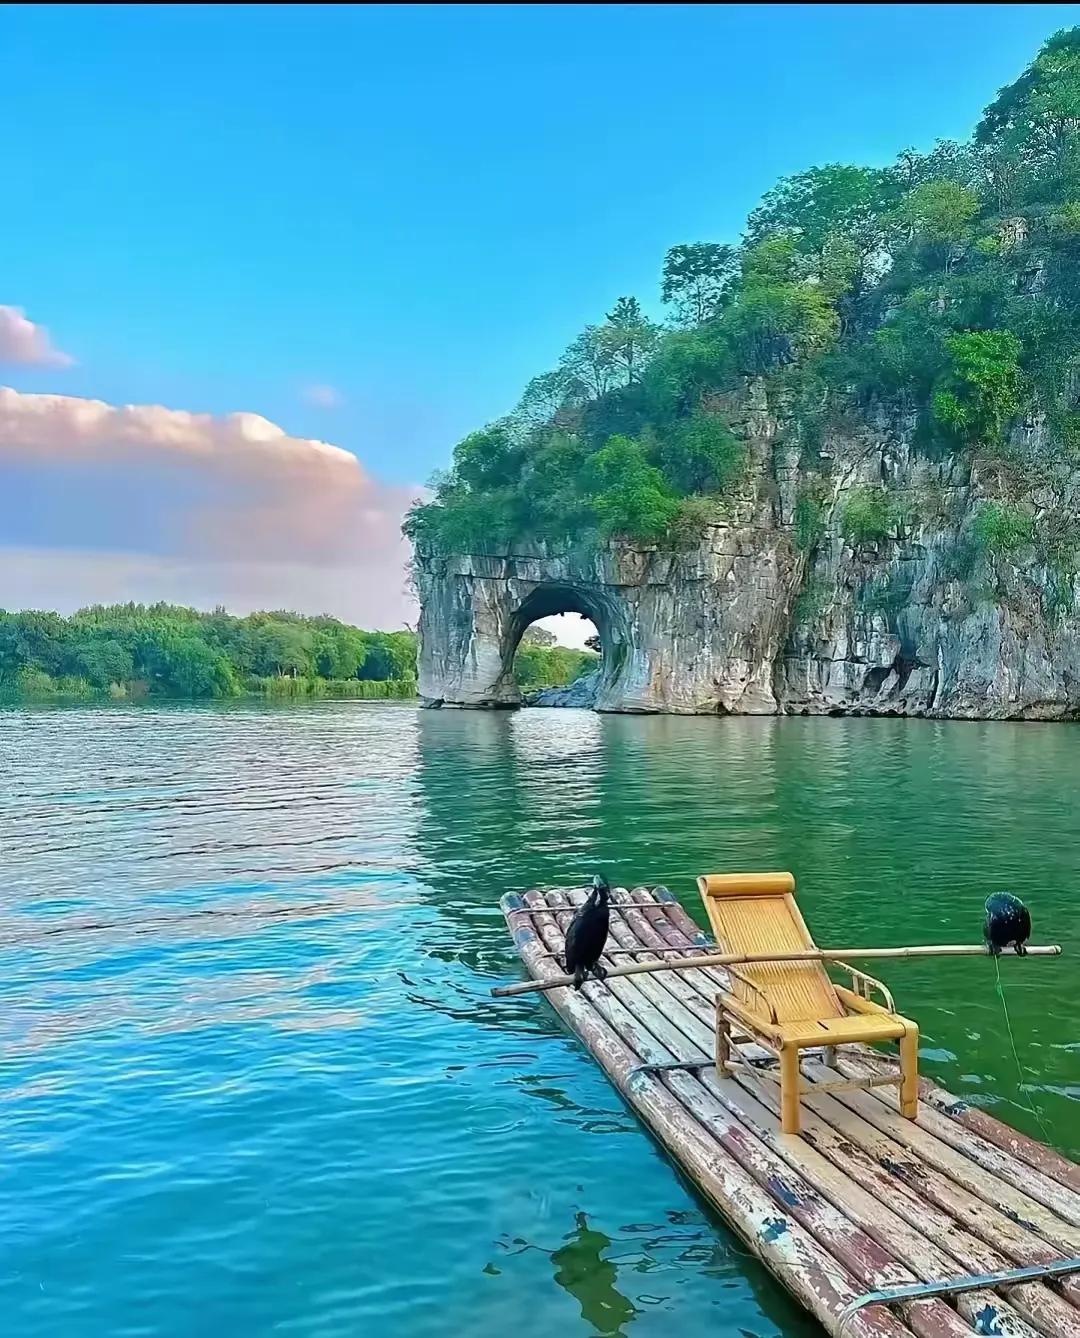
pixel 696 277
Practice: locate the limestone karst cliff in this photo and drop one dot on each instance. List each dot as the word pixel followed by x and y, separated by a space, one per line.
pixel 761 617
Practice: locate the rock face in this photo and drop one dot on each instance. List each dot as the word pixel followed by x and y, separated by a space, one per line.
pixel 694 632
pixel 580 694
pixel 763 617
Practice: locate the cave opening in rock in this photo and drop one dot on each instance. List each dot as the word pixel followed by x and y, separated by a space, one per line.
pixel 562 647
pixel 558 661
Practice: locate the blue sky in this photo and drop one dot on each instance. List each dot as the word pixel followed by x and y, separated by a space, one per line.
pixel 212 208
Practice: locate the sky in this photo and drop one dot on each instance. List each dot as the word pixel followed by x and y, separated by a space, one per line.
pixel 314 246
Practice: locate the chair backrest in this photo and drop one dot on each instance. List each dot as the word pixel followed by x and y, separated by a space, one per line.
pixel 756 913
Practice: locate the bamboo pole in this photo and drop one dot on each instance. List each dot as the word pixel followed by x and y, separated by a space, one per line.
pixel 752 958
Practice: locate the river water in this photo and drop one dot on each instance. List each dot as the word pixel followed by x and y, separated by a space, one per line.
pixel 251 1081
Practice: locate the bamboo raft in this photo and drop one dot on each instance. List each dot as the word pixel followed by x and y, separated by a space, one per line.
pixel 944 1227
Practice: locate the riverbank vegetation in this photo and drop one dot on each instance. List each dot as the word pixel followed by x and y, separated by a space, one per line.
pixel 136 651
pixel 162 650
pixel 941 290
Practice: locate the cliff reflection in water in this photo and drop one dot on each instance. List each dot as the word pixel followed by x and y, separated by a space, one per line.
pixel 543 798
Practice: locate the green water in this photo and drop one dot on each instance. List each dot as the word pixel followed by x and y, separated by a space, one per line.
pixel 250 1076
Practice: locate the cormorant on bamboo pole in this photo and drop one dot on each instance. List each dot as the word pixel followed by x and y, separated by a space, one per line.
pixel 1007 921
pixel 587 934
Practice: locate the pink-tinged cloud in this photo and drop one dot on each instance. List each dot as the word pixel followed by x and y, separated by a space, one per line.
pixel 145 498
pixel 323 397
pixel 66 427
pixel 25 344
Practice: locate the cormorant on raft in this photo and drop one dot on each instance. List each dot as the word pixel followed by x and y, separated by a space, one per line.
pixel 587 934
pixel 1007 921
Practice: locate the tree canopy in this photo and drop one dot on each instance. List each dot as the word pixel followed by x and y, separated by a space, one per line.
pixel 169 651
pixel 944 287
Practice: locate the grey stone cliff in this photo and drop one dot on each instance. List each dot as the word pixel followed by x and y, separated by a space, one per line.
pixel 759 619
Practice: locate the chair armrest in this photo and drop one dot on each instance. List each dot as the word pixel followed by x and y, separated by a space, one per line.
pixel 869 983
pixel 759 993
pixel 855 1003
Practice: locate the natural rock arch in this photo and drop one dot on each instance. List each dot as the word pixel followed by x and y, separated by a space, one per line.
pixel 693 632
pixel 604 610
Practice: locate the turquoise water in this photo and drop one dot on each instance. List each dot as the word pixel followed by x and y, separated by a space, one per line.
pixel 250 1077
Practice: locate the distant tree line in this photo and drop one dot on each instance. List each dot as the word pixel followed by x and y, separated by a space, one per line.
pixel 162 650
pixel 131 651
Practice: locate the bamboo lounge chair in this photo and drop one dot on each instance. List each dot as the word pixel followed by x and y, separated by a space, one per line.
pixel 793 1006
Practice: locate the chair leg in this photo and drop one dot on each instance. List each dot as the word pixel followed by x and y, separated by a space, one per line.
pixel 909 1073
pixel 789 1089
pixel 829 1057
pixel 723 1042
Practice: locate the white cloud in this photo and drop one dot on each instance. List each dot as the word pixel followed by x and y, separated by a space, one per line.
pixel 129 500
pixel 24 343
pixel 323 397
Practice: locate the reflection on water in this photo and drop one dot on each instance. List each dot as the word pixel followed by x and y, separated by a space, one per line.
pixel 582 1270
pixel 249 1053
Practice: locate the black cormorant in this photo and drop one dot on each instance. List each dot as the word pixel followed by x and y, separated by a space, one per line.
pixel 587 934
pixel 1007 921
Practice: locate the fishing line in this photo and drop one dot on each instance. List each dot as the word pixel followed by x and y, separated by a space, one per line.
pixel 1020 1079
